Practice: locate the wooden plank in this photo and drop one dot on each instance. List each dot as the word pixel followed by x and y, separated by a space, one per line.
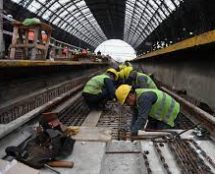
pixel 35 50
pixel 14 41
pixel 92 119
pixel 93 134
pixel 28 63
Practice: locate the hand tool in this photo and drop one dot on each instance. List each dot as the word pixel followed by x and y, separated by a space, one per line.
pixel 61 163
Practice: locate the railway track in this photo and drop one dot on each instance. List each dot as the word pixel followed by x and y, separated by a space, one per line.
pixel 187 152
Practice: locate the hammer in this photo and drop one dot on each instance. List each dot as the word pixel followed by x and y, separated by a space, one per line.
pixel 61 163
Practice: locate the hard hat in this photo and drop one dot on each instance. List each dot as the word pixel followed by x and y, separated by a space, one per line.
pixel 10 16
pixel 122 66
pixel 128 64
pixel 111 70
pixel 127 71
pixel 121 74
pixel 122 93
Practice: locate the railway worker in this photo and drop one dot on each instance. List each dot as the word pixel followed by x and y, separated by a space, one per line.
pixel 160 109
pixel 137 79
pixel 124 65
pixel 121 68
pixel 100 88
pixel 44 37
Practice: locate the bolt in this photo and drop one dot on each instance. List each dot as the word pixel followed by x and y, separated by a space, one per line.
pixel 146 152
pixel 161 144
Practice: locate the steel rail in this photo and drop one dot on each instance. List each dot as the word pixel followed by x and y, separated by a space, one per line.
pixel 195 113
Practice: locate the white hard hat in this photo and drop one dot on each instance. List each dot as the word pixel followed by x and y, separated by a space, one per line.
pixel 10 16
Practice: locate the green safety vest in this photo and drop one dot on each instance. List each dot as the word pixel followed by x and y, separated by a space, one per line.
pixel 95 84
pixel 164 109
pixel 150 83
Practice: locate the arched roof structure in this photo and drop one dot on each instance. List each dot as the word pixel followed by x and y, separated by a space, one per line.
pixel 94 21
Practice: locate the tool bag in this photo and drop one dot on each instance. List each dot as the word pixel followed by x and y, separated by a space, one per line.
pixel 42 148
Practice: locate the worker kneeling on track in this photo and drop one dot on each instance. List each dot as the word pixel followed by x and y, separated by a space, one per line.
pixel 100 88
pixel 137 79
pixel 152 104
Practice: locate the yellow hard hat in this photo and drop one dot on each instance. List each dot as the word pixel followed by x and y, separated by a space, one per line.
pixel 127 71
pixel 122 93
pixel 114 72
pixel 121 74
pixel 122 66
pixel 128 64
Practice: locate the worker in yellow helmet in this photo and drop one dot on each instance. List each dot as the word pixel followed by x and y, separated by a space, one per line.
pixel 137 79
pixel 100 88
pixel 152 104
pixel 128 64
pixel 124 65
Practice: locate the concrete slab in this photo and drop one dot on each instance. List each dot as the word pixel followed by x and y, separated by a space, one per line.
pixel 93 134
pixel 123 157
pixel 14 166
pixel 87 158
pixel 123 146
pixel 123 163
pixel 92 119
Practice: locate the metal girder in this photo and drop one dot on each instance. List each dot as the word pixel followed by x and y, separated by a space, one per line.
pixel 142 14
pixel 146 26
pixel 82 27
pixel 142 17
pixel 157 10
pixel 94 32
pixel 86 29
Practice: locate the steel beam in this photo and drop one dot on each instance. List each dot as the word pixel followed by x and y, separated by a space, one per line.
pixel 2 46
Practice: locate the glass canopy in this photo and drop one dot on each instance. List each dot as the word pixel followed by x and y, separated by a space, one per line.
pixel 142 17
pixel 72 16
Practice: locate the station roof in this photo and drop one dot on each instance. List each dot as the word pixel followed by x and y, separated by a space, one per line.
pixel 95 21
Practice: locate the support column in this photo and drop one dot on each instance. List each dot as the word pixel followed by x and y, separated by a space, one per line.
pixel 2 46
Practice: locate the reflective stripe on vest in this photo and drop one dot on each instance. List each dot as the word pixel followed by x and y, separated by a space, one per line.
pixel 164 109
pixel 95 84
pixel 150 82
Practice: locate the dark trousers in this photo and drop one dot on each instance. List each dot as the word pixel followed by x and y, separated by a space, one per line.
pixel 156 124
pixel 95 101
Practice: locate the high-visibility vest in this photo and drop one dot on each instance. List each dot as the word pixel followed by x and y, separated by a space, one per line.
pixel 65 50
pixel 150 83
pixel 95 84
pixel 44 37
pixel 31 35
pixel 84 51
pixel 165 109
